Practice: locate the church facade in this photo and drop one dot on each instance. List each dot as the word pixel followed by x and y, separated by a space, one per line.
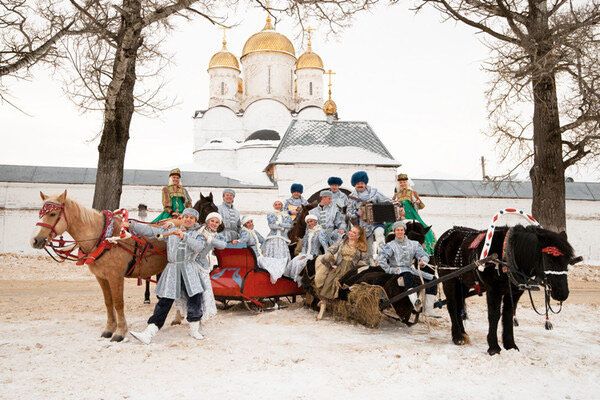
pixel 268 93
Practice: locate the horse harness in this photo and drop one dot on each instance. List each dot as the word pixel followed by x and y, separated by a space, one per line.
pixel 64 249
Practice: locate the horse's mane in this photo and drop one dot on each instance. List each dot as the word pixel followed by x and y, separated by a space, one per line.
pixel 87 215
pixel 545 237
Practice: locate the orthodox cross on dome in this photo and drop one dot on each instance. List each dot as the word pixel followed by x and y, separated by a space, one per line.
pixel 224 35
pixel 330 108
pixel 309 30
pixel 329 72
pixel 268 25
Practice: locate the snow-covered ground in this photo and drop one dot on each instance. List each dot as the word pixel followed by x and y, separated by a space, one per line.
pixel 51 316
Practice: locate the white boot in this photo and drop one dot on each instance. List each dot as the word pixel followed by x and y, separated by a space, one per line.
pixel 416 302
pixel 146 336
pixel 430 300
pixel 195 330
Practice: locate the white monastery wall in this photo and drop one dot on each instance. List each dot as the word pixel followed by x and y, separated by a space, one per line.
pixel 583 228
pixel 20 204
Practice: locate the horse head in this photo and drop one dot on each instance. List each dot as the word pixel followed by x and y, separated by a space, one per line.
pixel 205 206
pixel 416 231
pixel 556 254
pixel 54 220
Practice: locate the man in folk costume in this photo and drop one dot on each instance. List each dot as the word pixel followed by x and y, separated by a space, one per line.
pixel 175 198
pixel 314 243
pixel 412 203
pixel 329 217
pixel 250 237
pixel 180 277
pixel 231 216
pixel 397 256
pixel 292 204
pixel 338 197
pixel 364 194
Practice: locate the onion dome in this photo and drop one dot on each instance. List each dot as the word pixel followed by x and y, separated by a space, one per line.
pixel 309 59
pixel 224 59
pixel 267 40
pixel 330 108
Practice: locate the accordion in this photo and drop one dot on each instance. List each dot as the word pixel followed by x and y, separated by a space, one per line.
pixel 381 213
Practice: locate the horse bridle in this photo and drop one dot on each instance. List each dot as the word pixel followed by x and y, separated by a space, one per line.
pixel 47 208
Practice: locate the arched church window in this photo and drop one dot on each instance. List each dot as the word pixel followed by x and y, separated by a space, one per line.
pixel 222 88
pixel 310 88
pixel 269 81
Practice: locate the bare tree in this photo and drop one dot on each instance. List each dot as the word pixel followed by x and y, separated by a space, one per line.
pixel 545 55
pixel 29 34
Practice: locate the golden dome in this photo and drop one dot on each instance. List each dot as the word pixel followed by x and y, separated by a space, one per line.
pixel 309 59
pixel 224 59
pixel 330 108
pixel 268 40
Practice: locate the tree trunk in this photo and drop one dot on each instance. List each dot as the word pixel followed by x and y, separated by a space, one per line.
pixel 548 172
pixel 118 111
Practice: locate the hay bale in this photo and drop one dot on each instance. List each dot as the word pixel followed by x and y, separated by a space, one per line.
pixel 363 302
pixel 341 310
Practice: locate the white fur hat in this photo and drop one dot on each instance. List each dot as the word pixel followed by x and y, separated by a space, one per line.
pixel 214 215
pixel 246 219
pixel 311 216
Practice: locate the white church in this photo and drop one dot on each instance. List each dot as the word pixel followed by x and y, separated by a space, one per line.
pixel 267 117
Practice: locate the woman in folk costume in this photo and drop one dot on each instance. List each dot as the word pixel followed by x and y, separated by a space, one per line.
pixel 296 201
pixel 314 244
pixel 412 203
pixel 252 239
pixel 347 254
pixel 275 250
pixel 175 197
pixel 180 278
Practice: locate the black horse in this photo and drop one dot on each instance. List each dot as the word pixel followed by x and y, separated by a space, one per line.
pixel 525 253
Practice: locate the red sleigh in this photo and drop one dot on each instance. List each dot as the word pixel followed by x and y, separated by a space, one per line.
pixel 238 277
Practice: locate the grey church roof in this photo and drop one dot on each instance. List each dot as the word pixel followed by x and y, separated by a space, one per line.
pixel 36 174
pixel 519 190
pixel 316 134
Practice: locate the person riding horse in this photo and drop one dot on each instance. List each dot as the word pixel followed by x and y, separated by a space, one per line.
pixel 175 197
pixel 396 257
pixel 329 216
pixel 231 216
pixel 363 194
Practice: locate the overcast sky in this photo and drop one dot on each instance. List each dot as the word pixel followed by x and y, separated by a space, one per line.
pixel 418 82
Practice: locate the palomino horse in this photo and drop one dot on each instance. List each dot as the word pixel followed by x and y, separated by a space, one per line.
pixel 86 226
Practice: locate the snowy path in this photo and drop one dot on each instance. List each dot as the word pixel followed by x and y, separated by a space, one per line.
pixel 50 348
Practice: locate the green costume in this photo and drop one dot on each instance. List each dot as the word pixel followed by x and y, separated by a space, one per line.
pixel 175 199
pixel 411 213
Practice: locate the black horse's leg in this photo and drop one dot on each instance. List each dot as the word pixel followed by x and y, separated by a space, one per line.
pixel 451 290
pixel 494 300
pixel 508 310
pixel 147 293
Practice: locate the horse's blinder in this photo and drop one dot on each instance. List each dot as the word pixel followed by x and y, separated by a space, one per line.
pixel 47 208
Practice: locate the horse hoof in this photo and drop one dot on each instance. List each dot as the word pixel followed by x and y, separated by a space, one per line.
pixel 493 352
pixel 459 342
pixel 117 338
pixel 106 334
pixel 147 301
pixel 175 322
pixel 511 347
